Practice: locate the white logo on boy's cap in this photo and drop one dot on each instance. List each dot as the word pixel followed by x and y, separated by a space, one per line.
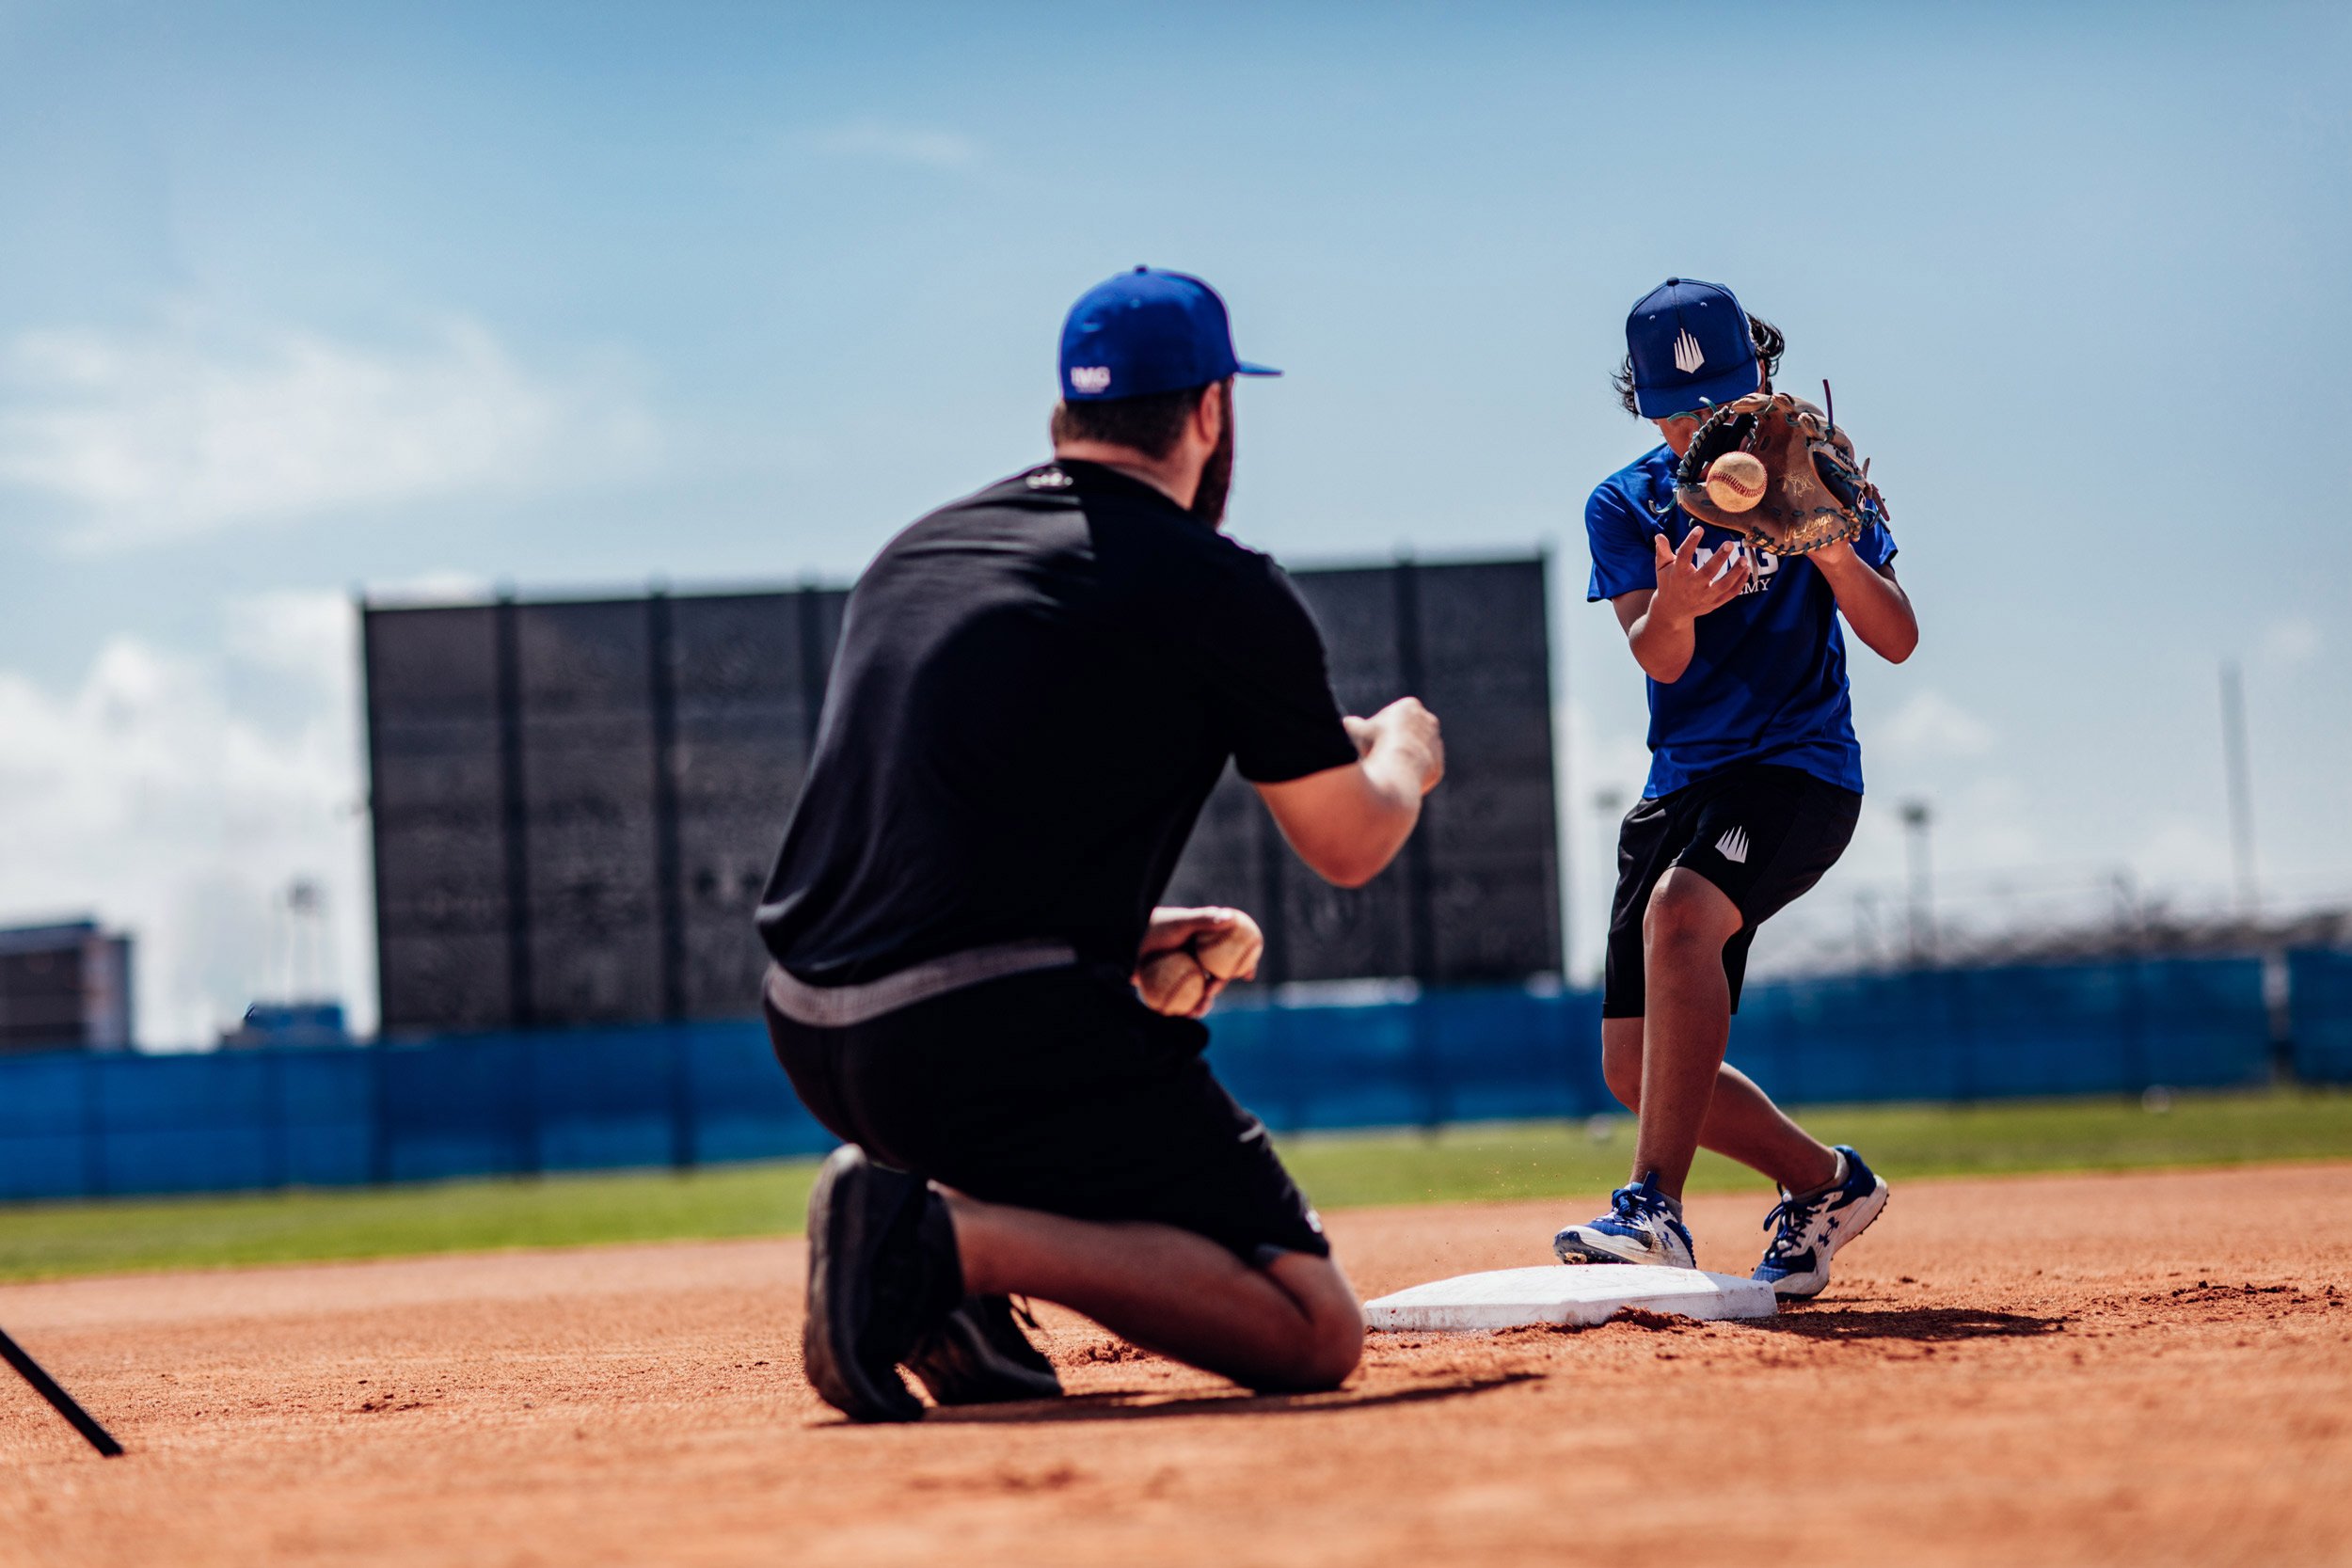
pixel 1689 343
pixel 1090 378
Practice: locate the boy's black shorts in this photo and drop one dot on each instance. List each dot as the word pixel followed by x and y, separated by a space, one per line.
pixel 1762 832
pixel 1055 1090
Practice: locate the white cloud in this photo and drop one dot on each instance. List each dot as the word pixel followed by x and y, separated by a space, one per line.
pixel 1929 726
pixel 2291 643
pixel 190 430
pixel 1993 864
pixel 1596 760
pixel 146 796
pixel 886 141
pixel 2181 852
pixel 441 587
pixel 309 634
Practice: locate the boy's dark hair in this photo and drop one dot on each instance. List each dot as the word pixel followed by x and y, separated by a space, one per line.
pixel 1770 346
pixel 1150 423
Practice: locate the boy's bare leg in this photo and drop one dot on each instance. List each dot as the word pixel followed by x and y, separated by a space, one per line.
pixel 1672 1059
pixel 1742 1123
pixel 1292 1325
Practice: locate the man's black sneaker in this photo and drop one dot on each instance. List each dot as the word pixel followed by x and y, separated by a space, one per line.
pixel 883 1275
pixel 981 1356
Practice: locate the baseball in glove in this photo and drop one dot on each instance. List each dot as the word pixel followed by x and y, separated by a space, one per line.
pixel 1814 494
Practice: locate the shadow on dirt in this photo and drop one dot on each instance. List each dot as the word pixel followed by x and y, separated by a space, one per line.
pixel 1141 1407
pixel 1924 1325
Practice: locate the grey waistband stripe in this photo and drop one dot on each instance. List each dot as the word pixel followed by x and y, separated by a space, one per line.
pixel 839 1007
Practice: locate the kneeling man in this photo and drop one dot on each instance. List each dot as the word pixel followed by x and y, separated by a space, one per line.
pixel 1036 689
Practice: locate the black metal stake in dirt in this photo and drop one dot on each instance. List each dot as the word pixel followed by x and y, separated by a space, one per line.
pixel 59 1400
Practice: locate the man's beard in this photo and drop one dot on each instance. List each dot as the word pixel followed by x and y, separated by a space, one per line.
pixel 1216 474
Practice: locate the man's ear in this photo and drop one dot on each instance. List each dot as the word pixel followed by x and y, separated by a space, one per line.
pixel 1208 414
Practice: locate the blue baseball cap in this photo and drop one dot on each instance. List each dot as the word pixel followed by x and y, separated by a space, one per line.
pixel 1147 331
pixel 1690 345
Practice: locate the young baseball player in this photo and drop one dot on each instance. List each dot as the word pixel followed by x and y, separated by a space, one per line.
pixel 1036 688
pixel 1755 785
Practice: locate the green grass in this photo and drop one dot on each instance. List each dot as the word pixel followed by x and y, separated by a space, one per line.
pixel 1468 1163
pixel 47 1240
pixel 1555 1159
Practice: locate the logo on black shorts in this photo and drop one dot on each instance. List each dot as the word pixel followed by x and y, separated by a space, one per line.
pixel 1733 847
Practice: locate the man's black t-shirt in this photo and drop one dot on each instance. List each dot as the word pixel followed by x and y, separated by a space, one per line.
pixel 1036 689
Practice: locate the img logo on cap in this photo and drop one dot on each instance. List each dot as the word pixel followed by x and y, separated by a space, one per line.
pixel 1689 345
pixel 1147 331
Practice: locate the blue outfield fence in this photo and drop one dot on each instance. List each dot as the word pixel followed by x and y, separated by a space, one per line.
pixel 2319 991
pixel 93 1126
pixel 514 1104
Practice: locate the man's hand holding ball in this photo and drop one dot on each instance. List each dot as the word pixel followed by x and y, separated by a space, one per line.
pixel 1189 956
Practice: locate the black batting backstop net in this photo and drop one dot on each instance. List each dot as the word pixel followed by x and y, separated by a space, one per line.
pixel 576 804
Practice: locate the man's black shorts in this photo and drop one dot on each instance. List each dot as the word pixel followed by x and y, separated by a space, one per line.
pixel 1055 1090
pixel 1762 832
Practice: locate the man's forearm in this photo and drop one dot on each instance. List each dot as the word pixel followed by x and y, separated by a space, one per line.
pixel 1663 646
pixel 1873 604
pixel 1348 822
pixel 1394 769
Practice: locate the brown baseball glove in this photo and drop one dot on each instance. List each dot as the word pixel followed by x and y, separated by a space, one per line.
pixel 1814 493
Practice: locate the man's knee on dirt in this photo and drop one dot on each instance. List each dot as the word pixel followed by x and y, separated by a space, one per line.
pixel 1329 1339
pixel 1327 1353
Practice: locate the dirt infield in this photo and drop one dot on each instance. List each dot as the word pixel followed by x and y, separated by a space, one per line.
pixel 2082 1369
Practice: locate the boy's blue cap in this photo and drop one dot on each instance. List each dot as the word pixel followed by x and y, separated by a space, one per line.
pixel 1689 345
pixel 1147 331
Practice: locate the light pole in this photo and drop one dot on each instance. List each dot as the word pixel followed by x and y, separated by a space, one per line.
pixel 1922 891
pixel 2130 923
pixel 1607 805
pixel 2241 787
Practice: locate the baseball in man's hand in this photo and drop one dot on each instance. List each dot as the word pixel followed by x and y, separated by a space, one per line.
pixel 1181 982
pixel 1173 983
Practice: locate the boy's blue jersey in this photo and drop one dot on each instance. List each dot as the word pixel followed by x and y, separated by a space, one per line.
pixel 1767 681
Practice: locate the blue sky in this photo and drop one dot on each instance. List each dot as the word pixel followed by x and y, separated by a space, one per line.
pixel 295 298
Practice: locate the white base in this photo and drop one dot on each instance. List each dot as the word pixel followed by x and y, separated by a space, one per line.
pixel 1563 1294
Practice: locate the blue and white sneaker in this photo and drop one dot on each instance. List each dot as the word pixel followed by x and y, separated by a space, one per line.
pixel 1807 1231
pixel 1643 1226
